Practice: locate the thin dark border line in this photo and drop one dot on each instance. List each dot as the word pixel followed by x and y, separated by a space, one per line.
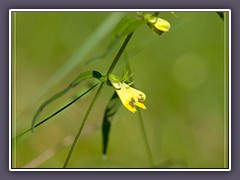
pixel 106 169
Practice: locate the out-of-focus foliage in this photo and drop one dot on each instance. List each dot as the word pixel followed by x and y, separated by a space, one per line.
pixel 181 73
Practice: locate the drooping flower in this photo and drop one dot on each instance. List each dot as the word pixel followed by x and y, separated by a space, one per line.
pixel 129 96
pixel 158 25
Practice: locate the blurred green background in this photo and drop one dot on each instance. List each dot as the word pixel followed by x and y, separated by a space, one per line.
pixel 181 72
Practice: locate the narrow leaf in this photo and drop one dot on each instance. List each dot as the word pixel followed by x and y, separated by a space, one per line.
pixel 110 111
pixel 75 82
pixel 58 111
pixel 95 39
pixel 127 25
pixel 109 49
pixel 86 75
pixel 221 15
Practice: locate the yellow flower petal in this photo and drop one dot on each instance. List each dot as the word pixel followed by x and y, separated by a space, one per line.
pixel 162 25
pixel 129 96
pixel 136 93
pixel 127 100
pixel 130 108
pixel 141 105
pixel 157 24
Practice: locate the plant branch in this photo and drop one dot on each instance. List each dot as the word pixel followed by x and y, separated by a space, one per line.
pixel 121 50
pixel 82 125
pixel 150 157
pixel 119 53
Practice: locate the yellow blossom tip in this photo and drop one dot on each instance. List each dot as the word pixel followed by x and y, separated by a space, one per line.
pixel 157 24
pixel 130 97
pixel 141 105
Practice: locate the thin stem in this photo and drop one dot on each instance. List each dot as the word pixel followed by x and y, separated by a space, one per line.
pixel 150 157
pixel 95 98
pixel 82 125
pixel 119 53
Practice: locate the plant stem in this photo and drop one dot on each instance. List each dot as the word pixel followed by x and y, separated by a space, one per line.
pixel 119 54
pixel 82 125
pixel 150 157
pixel 95 98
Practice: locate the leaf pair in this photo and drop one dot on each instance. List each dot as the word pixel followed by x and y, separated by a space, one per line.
pixel 74 83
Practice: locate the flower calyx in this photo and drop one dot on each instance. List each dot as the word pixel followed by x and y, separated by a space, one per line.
pixel 129 96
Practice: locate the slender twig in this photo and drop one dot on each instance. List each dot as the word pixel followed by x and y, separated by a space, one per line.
pixel 150 157
pixel 95 98
pixel 82 125
pixel 145 139
pixel 119 53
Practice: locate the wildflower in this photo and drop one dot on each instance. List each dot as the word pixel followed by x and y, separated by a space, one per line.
pixel 129 96
pixel 158 25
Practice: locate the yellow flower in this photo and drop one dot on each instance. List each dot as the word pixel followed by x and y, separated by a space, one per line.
pixel 129 96
pixel 158 25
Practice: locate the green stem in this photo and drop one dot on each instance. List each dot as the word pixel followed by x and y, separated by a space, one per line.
pixel 119 53
pixel 150 157
pixel 95 98
pixel 82 125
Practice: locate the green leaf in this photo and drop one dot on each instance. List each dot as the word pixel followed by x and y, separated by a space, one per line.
pixel 127 25
pixel 58 111
pixel 110 111
pixel 109 49
pixel 75 82
pixel 87 75
pixel 221 15
pixel 96 37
